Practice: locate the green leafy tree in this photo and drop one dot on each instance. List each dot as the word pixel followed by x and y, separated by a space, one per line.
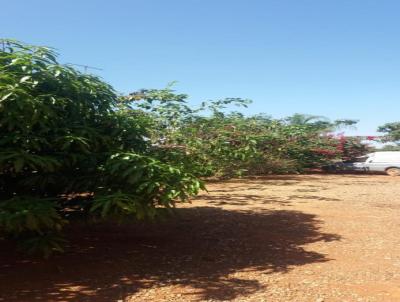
pixel 392 131
pixel 69 145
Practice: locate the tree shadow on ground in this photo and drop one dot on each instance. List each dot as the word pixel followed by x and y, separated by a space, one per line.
pixel 312 198
pixel 240 199
pixel 198 249
pixel 266 182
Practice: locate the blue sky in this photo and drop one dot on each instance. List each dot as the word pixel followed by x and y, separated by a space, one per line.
pixel 337 58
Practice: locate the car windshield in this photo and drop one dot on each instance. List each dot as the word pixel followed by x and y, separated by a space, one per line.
pixel 357 160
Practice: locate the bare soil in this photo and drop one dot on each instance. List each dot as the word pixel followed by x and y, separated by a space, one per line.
pixel 283 238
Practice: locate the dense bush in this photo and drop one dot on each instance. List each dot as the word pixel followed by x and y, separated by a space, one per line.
pixel 68 145
pixel 209 141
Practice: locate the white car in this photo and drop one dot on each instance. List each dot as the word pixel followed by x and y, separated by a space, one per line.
pixel 388 162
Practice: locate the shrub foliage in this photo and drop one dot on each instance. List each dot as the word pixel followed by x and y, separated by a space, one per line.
pixel 68 145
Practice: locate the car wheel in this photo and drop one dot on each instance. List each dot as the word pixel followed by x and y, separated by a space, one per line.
pixel 393 171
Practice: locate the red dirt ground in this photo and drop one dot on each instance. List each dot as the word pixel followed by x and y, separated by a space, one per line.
pixel 289 238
